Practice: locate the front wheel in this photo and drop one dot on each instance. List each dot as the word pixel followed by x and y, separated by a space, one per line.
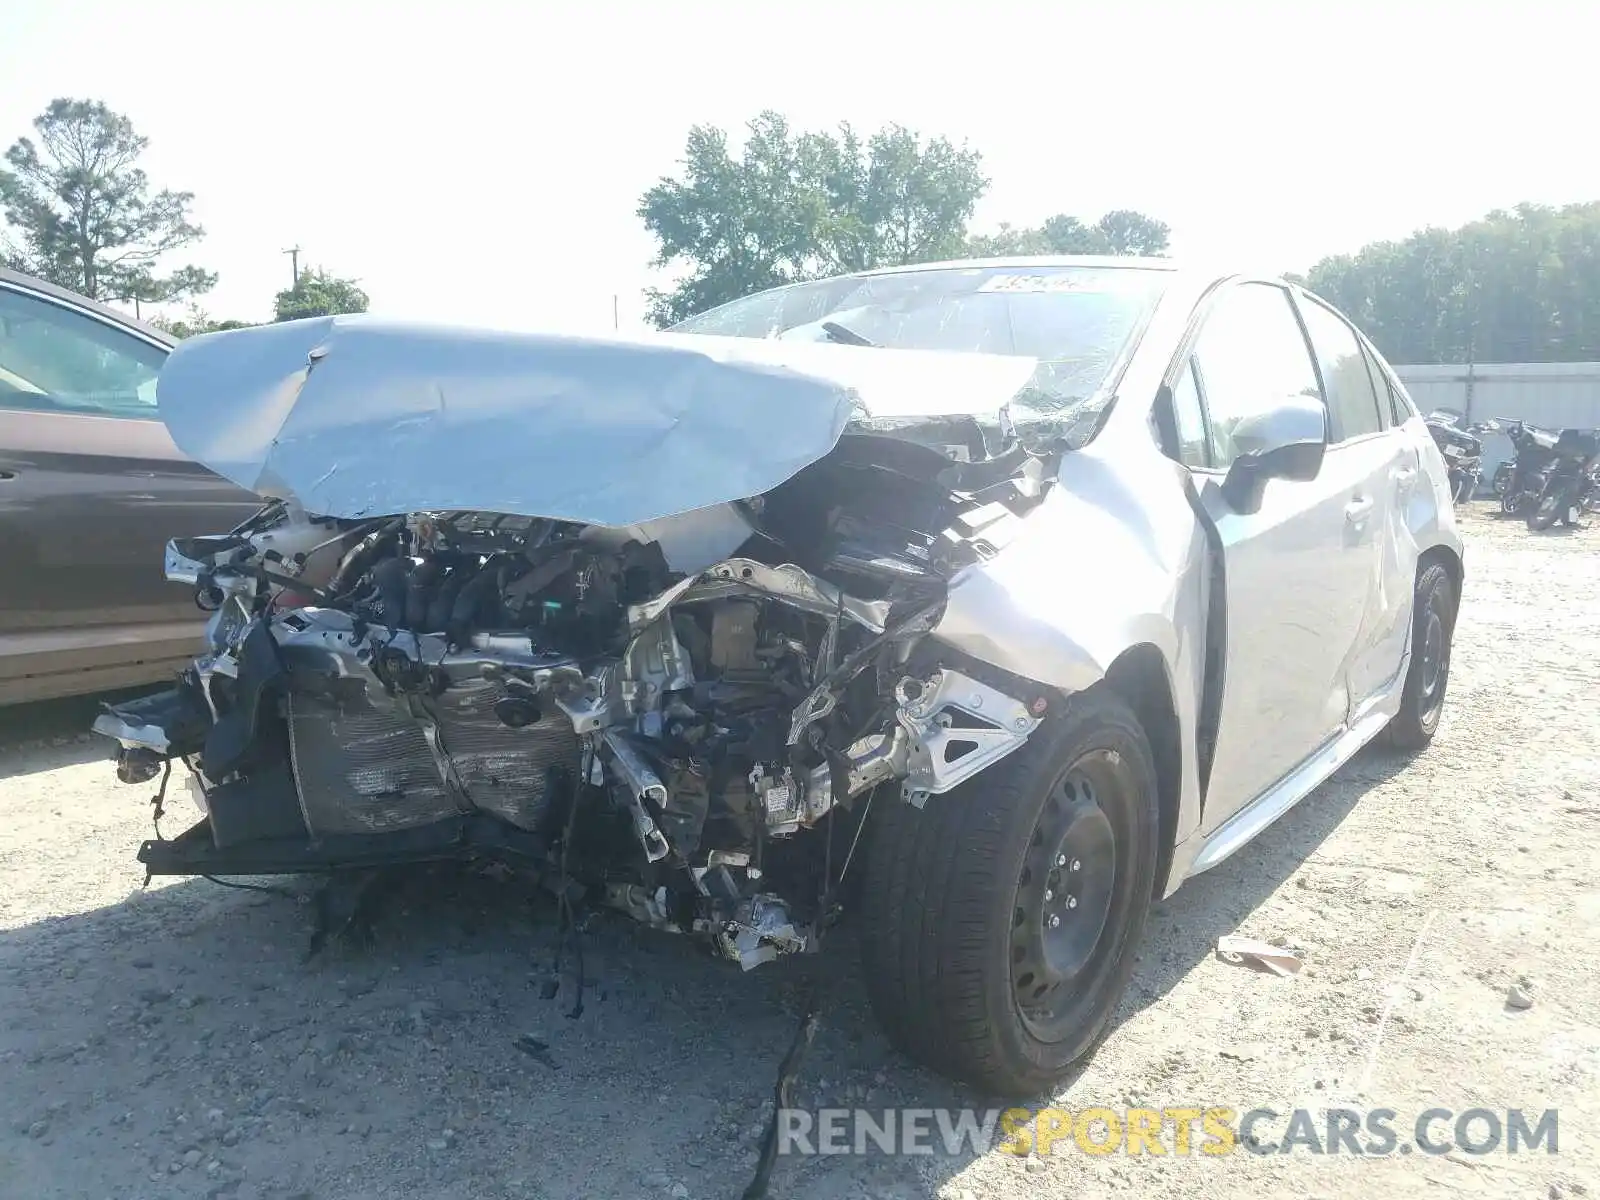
pixel 1432 630
pixel 1001 919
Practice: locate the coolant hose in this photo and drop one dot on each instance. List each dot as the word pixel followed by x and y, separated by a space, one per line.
pixel 360 559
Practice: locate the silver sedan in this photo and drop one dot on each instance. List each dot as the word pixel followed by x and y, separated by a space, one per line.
pixel 1015 593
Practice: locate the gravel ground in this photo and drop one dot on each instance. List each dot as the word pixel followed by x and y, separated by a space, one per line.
pixel 172 1042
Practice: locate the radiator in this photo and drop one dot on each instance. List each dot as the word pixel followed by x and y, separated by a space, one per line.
pixel 362 763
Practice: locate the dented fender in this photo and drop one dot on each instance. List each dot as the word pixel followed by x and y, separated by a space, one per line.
pixel 1113 559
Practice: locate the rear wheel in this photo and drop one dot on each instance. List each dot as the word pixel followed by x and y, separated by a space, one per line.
pixel 1433 626
pixel 1550 508
pixel 1001 919
pixel 1512 492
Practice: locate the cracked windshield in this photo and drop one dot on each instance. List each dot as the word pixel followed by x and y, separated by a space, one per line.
pixel 1076 321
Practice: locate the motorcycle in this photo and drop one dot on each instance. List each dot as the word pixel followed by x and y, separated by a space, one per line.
pixel 1462 450
pixel 1570 482
pixel 1519 480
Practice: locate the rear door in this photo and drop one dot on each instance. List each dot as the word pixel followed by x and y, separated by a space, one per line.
pixel 1362 429
pixel 91 484
pixel 1297 582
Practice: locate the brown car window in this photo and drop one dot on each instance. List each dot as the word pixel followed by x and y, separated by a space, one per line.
pixel 53 359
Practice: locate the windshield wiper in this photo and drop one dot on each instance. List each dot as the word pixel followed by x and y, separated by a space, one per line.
pixel 845 335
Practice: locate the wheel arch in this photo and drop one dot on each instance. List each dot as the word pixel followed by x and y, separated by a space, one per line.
pixel 1139 677
pixel 1450 559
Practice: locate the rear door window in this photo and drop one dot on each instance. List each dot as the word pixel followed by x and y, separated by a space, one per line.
pixel 1346 378
pixel 1389 391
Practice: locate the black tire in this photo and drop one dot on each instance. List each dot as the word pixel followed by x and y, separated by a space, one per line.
pixel 944 884
pixel 1513 493
pixel 1550 507
pixel 1422 702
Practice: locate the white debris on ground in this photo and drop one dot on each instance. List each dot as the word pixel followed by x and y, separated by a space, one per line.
pixel 172 1043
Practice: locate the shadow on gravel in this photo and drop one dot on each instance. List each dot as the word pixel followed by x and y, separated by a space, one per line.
pixel 178 1044
pixel 148 1039
pixel 1559 531
pixel 49 754
pixel 55 733
pixel 1184 928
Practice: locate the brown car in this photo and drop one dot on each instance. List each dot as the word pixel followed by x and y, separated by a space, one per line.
pixel 91 488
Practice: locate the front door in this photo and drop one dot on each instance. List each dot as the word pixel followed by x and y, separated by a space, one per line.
pixel 1297 580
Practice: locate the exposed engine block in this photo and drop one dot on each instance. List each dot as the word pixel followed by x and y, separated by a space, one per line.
pixel 688 738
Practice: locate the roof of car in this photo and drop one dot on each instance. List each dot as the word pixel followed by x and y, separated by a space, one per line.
pixel 1198 272
pixel 54 292
pixel 1126 261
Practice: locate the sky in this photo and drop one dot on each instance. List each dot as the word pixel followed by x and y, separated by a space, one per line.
pixel 481 163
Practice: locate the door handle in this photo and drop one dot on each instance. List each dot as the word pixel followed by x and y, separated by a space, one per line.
pixel 1358 509
pixel 5 474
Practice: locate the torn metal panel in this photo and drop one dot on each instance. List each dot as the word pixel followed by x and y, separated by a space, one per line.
pixel 356 416
pixel 958 727
pixel 746 576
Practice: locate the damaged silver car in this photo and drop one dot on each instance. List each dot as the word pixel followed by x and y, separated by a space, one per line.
pixel 1011 594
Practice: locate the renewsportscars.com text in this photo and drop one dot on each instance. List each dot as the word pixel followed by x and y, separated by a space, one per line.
pixel 1213 1131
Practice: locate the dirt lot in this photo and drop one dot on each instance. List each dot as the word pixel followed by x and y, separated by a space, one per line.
pixel 171 1042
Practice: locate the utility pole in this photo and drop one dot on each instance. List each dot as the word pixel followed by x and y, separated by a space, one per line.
pixel 616 320
pixel 1472 339
pixel 294 265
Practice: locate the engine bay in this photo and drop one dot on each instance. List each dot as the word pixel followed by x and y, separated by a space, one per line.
pixel 685 720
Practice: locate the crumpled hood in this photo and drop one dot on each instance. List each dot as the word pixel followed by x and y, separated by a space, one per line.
pixel 359 416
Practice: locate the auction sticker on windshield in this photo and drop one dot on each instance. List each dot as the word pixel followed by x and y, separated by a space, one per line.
pixel 1090 282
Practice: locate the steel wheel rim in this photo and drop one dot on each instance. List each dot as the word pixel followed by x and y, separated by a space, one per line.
pixel 1434 659
pixel 1065 891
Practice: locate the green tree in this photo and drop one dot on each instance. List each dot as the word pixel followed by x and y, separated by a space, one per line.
pixel 795 206
pixel 1519 286
pixel 1127 232
pixel 81 214
pixel 318 294
pixel 195 321
pixel 1121 231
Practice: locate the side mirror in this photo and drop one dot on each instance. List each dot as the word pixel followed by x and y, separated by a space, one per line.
pixel 1284 442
